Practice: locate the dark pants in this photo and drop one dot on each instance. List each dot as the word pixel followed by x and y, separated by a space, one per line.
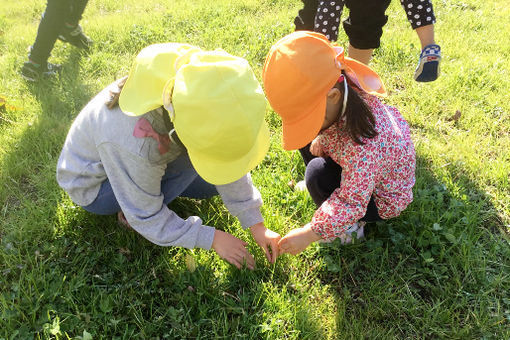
pixel 365 22
pixel 56 15
pixel 363 26
pixel 323 176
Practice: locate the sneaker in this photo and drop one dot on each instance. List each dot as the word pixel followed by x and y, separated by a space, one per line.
pixel 75 37
pixel 31 72
pixel 300 186
pixel 428 67
pixel 346 237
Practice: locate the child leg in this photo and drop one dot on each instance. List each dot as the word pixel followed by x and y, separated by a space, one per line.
pixel 421 16
pixel 426 35
pixel 180 179
pixel 327 18
pixel 323 176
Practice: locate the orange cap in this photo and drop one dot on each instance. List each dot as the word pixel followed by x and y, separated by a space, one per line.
pixel 298 73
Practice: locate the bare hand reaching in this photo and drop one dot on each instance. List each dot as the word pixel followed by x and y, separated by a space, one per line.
pixel 232 249
pixel 297 240
pixel 267 240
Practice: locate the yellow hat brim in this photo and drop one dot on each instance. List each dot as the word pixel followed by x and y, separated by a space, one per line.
pixel 219 172
pixel 153 67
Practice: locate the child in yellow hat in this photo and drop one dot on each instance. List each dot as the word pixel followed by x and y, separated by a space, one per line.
pixel 185 122
pixel 361 161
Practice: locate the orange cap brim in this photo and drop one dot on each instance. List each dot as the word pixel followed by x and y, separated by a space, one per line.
pixel 363 76
pixel 298 134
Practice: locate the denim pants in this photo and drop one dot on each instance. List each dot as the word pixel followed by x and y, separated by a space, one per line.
pixel 56 15
pixel 323 176
pixel 180 180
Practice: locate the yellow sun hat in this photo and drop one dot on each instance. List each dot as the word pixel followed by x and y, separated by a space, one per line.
pixel 153 67
pixel 215 102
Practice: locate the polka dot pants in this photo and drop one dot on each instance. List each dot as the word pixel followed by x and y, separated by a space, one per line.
pixel 419 12
pixel 327 18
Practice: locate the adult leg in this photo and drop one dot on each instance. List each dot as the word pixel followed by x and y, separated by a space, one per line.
pixel 77 9
pixel 364 27
pixel 306 16
pixel 72 32
pixel 51 24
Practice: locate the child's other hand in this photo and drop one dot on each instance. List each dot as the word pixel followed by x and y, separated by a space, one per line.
pixel 316 149
pixel 297 240
pixel 267 240
pixel 232 249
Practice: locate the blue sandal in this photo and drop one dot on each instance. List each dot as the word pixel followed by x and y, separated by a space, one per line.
pixel 428 67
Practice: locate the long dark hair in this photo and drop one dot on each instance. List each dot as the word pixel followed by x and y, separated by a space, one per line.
pixel 359 119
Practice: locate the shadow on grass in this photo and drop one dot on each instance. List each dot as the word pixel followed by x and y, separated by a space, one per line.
pixel 435 271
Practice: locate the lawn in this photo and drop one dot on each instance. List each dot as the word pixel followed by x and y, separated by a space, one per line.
pixel 440 270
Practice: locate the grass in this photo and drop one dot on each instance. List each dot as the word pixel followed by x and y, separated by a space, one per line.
pixel 440 270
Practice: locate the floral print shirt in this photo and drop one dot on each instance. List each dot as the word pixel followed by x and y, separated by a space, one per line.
pixel 383 167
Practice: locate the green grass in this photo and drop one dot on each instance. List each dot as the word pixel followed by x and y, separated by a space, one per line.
pixel 440 270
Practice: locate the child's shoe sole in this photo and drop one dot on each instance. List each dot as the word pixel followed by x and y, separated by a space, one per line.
pixel 428 67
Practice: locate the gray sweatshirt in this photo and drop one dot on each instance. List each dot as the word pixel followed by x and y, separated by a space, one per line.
pixel 100 145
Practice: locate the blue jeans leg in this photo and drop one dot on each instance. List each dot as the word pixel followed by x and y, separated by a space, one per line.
pixel 180 180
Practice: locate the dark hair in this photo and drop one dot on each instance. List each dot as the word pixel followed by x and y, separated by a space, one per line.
pixel 359 119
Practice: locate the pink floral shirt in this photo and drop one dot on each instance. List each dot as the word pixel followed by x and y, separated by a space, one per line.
pixel 383 167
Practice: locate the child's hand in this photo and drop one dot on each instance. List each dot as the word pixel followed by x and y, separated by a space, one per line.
pixel 232 249
pixel 297 240
pixel 316 149
pixel 266 239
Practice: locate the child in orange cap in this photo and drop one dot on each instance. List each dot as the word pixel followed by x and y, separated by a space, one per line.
pixel 365 160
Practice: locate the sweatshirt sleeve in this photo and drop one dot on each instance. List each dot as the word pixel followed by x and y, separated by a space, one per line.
pixel 347 204
pixel 242 200
pixel 137 186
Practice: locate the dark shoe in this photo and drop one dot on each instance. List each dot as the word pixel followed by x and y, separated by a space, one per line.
pixel 33 73
pixel 428 66
pixel 76 37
